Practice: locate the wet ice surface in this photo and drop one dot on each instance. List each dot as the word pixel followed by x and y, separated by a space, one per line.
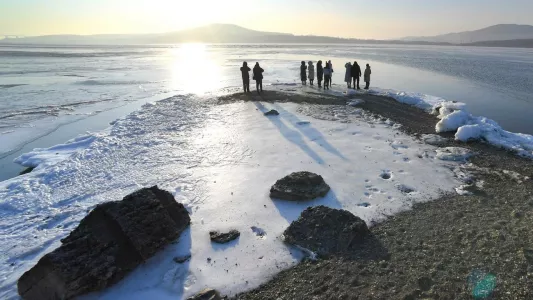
pixel 220 161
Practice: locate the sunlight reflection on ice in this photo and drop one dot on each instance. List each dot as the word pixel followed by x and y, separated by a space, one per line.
pixel 194 69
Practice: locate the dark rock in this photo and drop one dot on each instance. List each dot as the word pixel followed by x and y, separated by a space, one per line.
pixel 181 259
pixel 27 170
pixel 528 255
pixel 222 238
pixel 207 294
pixel 272 112
pixel 325 230
pixel 109 242
pixel 299 186
pixel 425 283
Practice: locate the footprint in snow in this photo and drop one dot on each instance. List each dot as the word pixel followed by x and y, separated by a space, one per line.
pixel 386 175
pixel 398 145
pixel 405 188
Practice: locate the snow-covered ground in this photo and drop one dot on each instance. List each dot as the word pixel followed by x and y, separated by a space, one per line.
pixel 220 161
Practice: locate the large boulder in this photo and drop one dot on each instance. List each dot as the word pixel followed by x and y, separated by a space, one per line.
pixel 300 186
pixel 109 242
pixel 325 230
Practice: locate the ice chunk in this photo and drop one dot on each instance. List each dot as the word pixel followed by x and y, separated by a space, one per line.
pixel 453 121
pixel 454 153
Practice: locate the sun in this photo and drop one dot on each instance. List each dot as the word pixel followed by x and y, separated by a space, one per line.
pixel 194 69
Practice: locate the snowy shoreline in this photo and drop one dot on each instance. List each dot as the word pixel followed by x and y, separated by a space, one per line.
pixel 222 155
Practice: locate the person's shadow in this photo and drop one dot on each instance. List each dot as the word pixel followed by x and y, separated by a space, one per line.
pixel 294 136
pixel 309 131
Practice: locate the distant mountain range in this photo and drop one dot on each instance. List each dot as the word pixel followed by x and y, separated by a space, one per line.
pixel 498 35
pixel 501 32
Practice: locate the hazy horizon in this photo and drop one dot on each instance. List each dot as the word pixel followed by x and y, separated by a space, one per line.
pixel 387 19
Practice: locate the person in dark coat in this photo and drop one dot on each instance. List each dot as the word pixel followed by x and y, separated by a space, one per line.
pixel 245 77
pixel 258 77
pixel 303 73
pixel 327 76
pixel 367 76
pixel 356 74
pixel 319 73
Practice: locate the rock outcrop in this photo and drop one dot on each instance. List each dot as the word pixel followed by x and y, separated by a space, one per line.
pixel 109 242
pixel 224 237
pixel 272 112
pixel 299 186
pixel 325 230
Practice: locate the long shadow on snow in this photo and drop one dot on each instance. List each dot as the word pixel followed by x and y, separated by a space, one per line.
pixel 291 135
pixel 308 130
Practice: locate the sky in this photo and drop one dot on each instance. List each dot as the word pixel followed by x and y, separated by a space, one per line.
pixel 378 19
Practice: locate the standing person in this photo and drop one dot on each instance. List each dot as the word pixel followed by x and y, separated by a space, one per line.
pixel 303 73
pixel 331 68
pixel 356 74
pixel 245 77
pixel 348 75
pixel 311 70
pixel 327 76
pixel 258 77
pixel 367 76
pixel 319 73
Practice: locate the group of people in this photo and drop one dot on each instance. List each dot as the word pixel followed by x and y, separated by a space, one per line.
pixel 322 73
pixel 353 74
pixel 258 77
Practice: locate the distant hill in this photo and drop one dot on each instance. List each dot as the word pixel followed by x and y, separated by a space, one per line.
pixel 215 33
pixel 524 43
pixel 499 32
pixel 227 33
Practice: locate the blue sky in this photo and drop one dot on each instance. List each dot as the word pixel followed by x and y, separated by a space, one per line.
pixel 346 18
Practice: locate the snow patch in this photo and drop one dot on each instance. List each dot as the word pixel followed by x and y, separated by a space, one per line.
pixel 41 157
pixel 355 102
pixel 434 139
pixel 454 154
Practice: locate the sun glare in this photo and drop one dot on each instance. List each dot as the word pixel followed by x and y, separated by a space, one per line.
pixel 194 69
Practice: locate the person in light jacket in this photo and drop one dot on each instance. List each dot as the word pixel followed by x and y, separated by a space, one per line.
pixel 303 73
pixel 245 77
pixel 258 77
pixel 331 68
pixel 348 75
pixel 319 73
pixel 356 75
pixel 367 76
pixel 311 70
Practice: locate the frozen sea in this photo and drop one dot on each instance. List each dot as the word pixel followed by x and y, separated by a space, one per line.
pixel 110 120
pixel 51 94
